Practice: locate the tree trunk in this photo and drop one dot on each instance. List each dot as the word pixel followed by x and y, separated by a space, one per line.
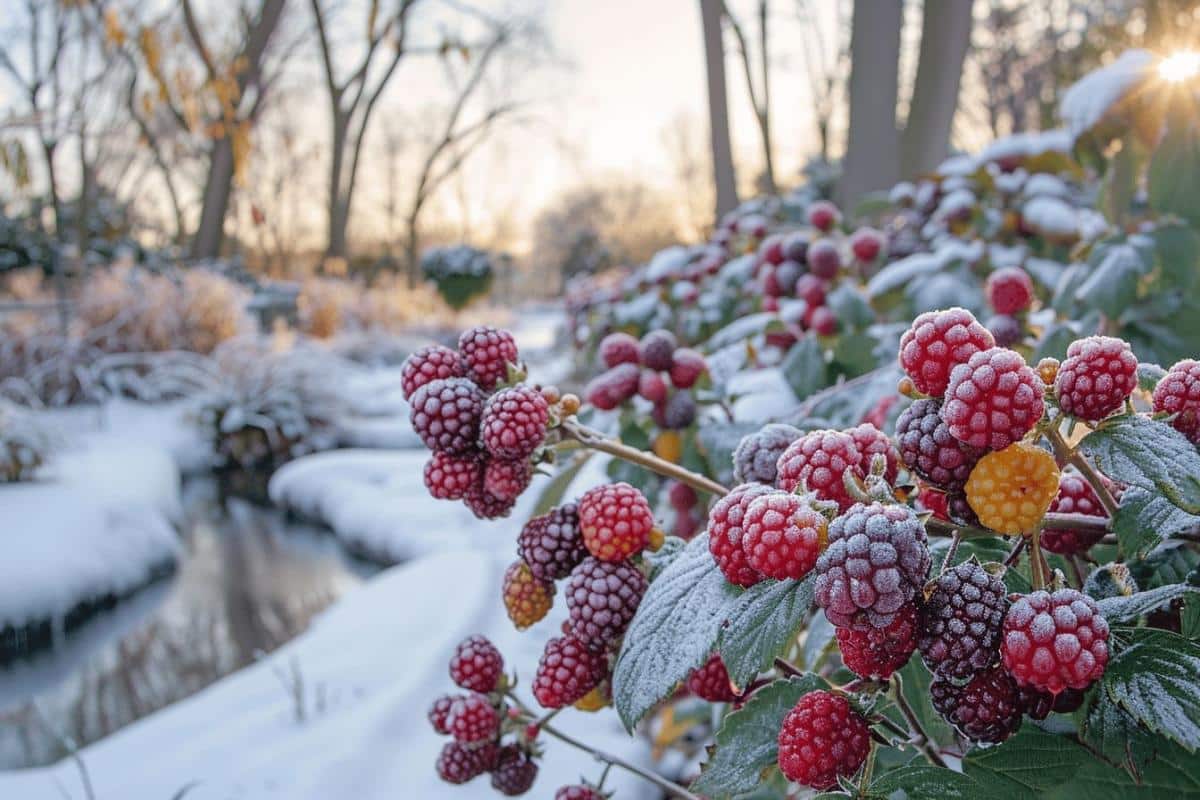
pixel 945 37
pixel 872 158
pixel 338 198
pixel 724 177
pixel 48 151
pixel 764 113
pixel 211 230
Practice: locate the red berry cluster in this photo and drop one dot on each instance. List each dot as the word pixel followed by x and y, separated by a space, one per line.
pixel 757 532
pixel 488 736
pixel 820 461
pixel 483 436
pixel 593 545
pixel 645 368
pixel 1010 294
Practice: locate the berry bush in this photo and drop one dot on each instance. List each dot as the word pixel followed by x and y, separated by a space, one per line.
pixel 979 581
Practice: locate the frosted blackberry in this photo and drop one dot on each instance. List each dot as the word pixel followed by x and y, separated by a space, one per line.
pixel 445 413
pixel 962 620
pixel 757 453
pixel 876 562
pixel 551 544
pixel 602 597
pixel 987 709
pixel 928 448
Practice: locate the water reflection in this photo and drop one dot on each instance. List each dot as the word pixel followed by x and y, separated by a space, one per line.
pixel 249 581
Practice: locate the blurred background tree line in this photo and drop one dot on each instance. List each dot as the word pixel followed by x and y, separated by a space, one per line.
pixel 346 136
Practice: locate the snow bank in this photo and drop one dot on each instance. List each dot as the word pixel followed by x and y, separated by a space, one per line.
pixel 97 524
pixel 376 502
pixel 1086 103
pixel 379 658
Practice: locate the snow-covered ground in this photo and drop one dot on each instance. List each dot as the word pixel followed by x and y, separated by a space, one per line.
pixel 378 657
pixel 98 522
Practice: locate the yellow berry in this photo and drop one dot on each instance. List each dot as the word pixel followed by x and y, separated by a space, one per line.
pixel 526 598
pixel 668 446
pixel 1010 489
pixel 906 388
pixel 569 404
pixel 594 700
pixel 657 537
pixel 1047 370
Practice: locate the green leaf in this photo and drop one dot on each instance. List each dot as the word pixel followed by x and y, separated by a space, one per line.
pixel 1028 765
pixel 1144 519
pixel 1172 774
pixel 1149 375
pixel 1173 167
pixel 924 782
pixel 1112 285
pixel 1148 454
pixel 1154 680
pixel 1126 609
pixel 805 369
pixel 673 632
pixel 765 618
pixel 1116 736
pixel 1178 248
pixel 915 680
pixel 748 741
pixel 852 309
pixel 817 636
pixel 855 354
pixel 1189 617
pixel 1054 344
pixel 717 442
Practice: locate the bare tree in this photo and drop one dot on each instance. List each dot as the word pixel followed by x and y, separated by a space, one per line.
pixel 461 132
pixel 873 145
pixel 759 90
pixel 242 90
pixel 724 176
pixel 825 61
pixel 945 37
pixel 352 100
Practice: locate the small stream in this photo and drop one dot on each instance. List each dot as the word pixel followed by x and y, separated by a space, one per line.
pixel 248 581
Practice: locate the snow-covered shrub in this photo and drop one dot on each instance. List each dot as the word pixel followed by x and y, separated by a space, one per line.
pixel 24 444
pixel 260 407
pixel 461 273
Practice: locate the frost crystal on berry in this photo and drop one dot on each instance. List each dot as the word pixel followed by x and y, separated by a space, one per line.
pixel 725 533
pixel 937 342
pixel 818 461
pixel 993 400
pixel 1100 372
pixel 1055 641
pixel 757 453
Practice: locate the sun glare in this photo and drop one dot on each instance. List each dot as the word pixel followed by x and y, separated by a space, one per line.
pixel 1180 66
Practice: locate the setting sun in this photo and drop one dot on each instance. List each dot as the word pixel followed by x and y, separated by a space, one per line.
pixel 1181 66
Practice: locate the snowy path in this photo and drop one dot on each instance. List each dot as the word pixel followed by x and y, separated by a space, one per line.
pixel 379 657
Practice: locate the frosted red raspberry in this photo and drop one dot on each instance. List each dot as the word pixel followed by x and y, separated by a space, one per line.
pixel 782 536
pixel 514 772
pixel 930 450
pixel 506 479
pixel 652 387
pixel 872 442
pixel 450 477
pixel 657 350
pixel 711 681
pixel 824 260
pixel 1098 375
pixel 429 364
pixel 567 671
pixel 937 342
pixel 484 504
pixel 445 414
pixel 1055 641
pixel 615 520
pixel 514 421
pixel 1178 393
pixel 602 597
pixel 527 598
pixel 487 352
pixel 619 348
pixel 993 400
pixel 824 215
pixel 611 388
pixel 867 244
pixel 459 764
pixel 440 711
pixel 822 738
pixel 476 664
pixel 1075 496
pixel 818 460
pixel 725 533
pixel 878 652
pixel 686 368
pixel 578 792
pixel 1010 290
pixel 473 719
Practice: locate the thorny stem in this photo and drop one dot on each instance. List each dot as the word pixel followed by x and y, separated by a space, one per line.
pixel 572 429
pixel 608 759
pixel 920 738
pixel 787 668
pixel 893 727
pixel 603 777
pixel 1072 456
pixel 1015 553
pixel 948 561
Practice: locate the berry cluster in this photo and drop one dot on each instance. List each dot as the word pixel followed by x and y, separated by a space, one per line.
pixel 823 461
pixel 593 545
pixel 757 532
pixel 638 368
pixel 488 735
pixel 484 435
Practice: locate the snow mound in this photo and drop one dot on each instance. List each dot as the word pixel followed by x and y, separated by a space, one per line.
pixel 376 502
pixel 1086 103
pixel 371 666
pixel 97 524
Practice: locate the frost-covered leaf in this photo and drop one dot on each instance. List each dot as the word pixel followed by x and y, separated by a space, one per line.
pixel 915 680
pixel 923 782
pixel 1148 454
pixel 673 632
pixel 899 274
pixel 1178 250
pixel 1154 679
pixel 716 443
pixel 1109 731
pixel 741 329
pixel 852 309
pixel 658 560
pixel 765 618
pixel 1125 609
pixel 1172 774
pixel 804 368
pixel 1029 765
pixel 1173 167
pixel 817 636
pixel 855 354
pixel 1112 284
pixel 748 741
pixel 1149 375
